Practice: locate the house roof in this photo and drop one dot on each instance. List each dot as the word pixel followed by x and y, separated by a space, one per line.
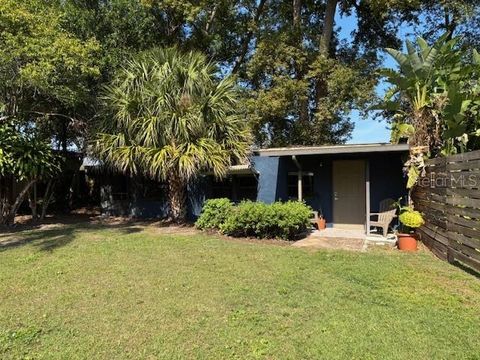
pixel 333 149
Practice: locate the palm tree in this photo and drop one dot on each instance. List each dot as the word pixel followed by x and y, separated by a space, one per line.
pixel 432 91
pixel 171 119
pixel 415 85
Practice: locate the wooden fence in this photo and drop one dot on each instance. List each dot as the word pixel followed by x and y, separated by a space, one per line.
pixel 449 198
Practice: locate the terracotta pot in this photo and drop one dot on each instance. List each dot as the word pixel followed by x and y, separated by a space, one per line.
pixel 407 242
pixel 321 223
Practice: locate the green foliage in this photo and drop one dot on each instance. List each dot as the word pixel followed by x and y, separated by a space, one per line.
pixel 411 218
pixel 23 155
pixel 38 57
pixel 47 73
pixel 413 168
pixel 401 131
pixel 214 213
pixel 436 90
pixel 168 117
pixel 283 220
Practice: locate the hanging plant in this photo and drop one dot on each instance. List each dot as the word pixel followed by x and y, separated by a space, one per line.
pixel 414 168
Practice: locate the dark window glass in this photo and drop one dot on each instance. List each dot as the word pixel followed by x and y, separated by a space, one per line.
pixel 222 188
pixel 246 187
pixel 307 186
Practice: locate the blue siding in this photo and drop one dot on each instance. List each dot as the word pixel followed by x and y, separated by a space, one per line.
pixel 268 178
pixel 197 193
pixel 386 181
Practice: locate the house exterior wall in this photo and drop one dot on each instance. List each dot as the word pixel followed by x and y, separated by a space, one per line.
pixel 385 173
pixel 385 170
pixel 386 178
pixel 268 169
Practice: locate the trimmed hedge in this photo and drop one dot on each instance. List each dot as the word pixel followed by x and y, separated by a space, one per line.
pixel 283 220
pixel 214 213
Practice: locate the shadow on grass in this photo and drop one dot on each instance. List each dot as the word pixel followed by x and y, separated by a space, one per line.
pixel 49 239
pixel 467 269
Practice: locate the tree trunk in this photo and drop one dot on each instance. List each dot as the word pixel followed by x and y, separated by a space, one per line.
pixel 177 197
pixel 47 198
pixel 324 47
pixel 19 200
pixel 248 37
pixel 297 12
pixel 327 30
pixel 32 202
pixel 211 18
pixel 73 189
pixel 303 117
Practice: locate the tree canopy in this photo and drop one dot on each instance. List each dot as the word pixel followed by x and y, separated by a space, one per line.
pixel 301 78
pixel 286 67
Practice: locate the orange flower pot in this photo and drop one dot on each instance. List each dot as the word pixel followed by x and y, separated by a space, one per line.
pixel 407 242
pixel 321 223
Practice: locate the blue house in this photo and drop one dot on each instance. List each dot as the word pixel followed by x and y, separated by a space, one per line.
pixel 342 182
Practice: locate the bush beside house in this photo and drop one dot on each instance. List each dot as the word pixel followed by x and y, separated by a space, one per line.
pixel 284 220
pixel 214 213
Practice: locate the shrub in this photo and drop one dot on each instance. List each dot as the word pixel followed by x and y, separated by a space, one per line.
pixel 214 213
pixel 277 220
pixel 411 218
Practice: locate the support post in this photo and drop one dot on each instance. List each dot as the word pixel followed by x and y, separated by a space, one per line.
pixel 299 180
pixel 299 184
pixel 367 195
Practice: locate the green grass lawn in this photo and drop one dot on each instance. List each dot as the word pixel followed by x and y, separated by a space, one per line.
pixel 92 292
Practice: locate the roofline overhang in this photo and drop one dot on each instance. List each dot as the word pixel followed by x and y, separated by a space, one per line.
pixel 333 149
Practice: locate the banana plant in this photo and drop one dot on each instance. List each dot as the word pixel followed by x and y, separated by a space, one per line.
pixel 436 90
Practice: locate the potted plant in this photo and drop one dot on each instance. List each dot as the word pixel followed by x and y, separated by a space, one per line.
pixel 410 219
pixel 321 222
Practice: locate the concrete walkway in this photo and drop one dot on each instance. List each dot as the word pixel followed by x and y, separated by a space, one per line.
pixel 335 239
pixel 315 242
pixel 342 239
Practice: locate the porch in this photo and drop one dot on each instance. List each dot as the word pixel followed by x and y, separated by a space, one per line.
pixel 343 183
pixel 335 238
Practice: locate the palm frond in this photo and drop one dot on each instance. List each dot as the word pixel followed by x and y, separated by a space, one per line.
pixel 171 117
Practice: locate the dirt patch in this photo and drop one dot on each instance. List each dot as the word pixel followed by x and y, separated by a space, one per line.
pixel 331 243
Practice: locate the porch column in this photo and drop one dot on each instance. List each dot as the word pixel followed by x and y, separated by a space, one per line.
pixel 367 195
pixel 299 185
pixel 299 178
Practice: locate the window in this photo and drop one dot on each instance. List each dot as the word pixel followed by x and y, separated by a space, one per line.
pixel 222 188
pixel 235 188
pixel 307 185
pixel 246 188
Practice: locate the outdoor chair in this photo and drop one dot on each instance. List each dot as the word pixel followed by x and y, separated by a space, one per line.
pixel 387 212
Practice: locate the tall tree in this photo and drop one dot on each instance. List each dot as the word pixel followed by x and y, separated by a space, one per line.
pixel 24 159
pixel 46 72
pixel 435 92
pixel 171 119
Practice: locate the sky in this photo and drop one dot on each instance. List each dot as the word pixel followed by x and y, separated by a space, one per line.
pixel 367 130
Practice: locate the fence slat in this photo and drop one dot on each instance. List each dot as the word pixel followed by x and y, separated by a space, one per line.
pixel 463 201
pixel 472 155
pixel 471 193
pixel 462 239
pixel 456 255
pixel 463 211
pixel 471 252
pixel 469 165
pixel 449 198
